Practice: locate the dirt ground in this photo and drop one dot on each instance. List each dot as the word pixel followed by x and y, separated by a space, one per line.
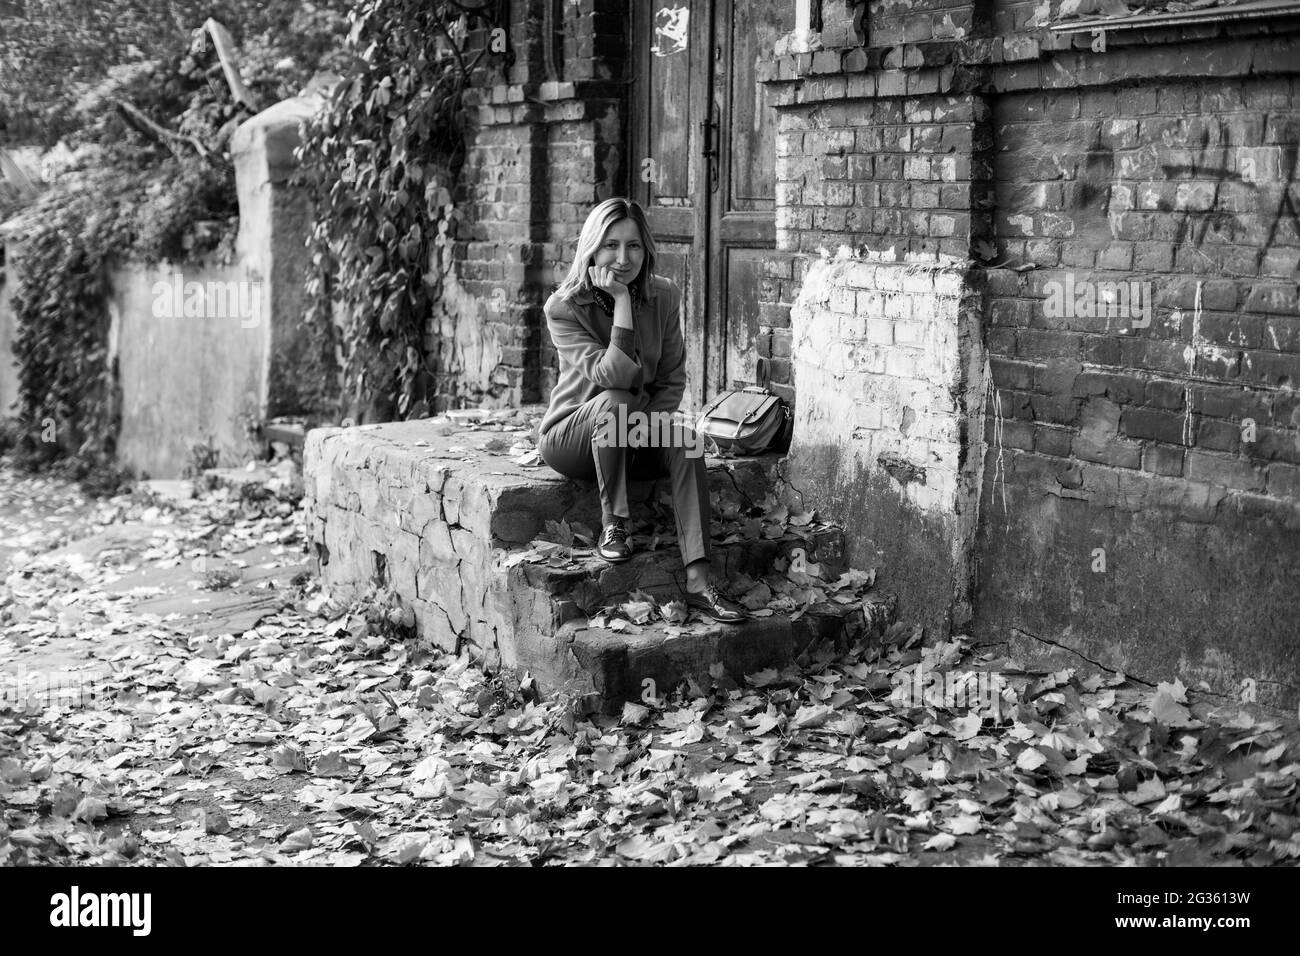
pixel 178 690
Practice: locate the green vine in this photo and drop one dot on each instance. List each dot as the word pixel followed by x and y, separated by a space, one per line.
pixel 150 179
pixel 68 404
pixel 381 160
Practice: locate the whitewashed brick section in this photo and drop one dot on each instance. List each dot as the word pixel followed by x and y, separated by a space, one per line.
pixel 875 353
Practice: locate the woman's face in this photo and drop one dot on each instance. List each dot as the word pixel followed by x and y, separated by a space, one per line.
pixel 622 250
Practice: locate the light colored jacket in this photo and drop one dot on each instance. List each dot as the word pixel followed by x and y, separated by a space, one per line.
pixel 650 358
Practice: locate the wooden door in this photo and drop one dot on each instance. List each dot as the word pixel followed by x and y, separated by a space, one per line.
pixel 702 162
pixel 666 163
pixel 742 211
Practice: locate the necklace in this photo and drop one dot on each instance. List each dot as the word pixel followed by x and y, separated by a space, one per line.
pixel 606 301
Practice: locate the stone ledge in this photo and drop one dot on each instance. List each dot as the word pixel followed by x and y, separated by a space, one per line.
pixel 440 468
pixel 595 583
pixel 612 665
pixel 436 508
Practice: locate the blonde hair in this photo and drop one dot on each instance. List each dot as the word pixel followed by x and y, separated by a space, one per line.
pixel 593 233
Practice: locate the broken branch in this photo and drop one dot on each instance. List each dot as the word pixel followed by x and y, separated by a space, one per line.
pixel 165 136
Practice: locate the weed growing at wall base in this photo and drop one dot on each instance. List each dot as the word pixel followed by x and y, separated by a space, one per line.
pixel 384 229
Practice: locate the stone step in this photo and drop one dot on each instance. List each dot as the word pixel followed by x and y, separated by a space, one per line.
pixel 442 511
pixel 288 432
pixel 440 468
pixel 613 667
pixel 548 604
pixel 592 582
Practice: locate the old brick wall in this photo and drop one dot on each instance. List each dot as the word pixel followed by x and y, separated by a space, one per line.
pixel 544 144
pixel 889 366
pixel 906 21
pixel 1150 454
pixel 586 165
pixel 1138 498
pixel 875 164
pixel 1127 492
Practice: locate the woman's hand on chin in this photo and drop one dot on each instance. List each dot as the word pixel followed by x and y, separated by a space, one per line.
pixel 605 279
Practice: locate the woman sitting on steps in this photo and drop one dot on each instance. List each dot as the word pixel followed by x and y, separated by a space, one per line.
pixel 617 328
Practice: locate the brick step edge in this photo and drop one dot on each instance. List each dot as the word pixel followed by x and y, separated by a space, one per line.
pixel 596 582
pixel 520 514
pixel 614 666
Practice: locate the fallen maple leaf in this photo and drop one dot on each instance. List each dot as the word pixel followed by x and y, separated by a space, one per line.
pixel 287 759
pixel 763 723
pixel 803 519
pixel 675 612
pixel 638 612
pixel 405 847
pixel 940 841
pixel 853 578
pixel 297 840
pixel 1166 705
pixel 1030 759
pixel 1148 791
pixel 756 597
pixel 333 764
pixel 362 802
pixel 963 825
pixel 90 809
pixel 1076 766
pixel 964 728
pixel 213 820
pixel 1170 804
pixel 811 716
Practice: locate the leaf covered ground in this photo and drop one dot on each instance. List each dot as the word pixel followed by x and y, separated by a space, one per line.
pixel 330 735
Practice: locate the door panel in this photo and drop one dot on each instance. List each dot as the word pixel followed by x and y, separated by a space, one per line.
pixel 698 113
pixel 678 261
pixel 744 278
pixel 742 218
pixel 670 108
pixel 665 166
pixel 751 133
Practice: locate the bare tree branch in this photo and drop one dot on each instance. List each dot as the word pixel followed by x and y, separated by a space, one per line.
pixel 165 136
pixel 226 54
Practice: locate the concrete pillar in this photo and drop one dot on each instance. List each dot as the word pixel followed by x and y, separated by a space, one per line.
pixel 274 222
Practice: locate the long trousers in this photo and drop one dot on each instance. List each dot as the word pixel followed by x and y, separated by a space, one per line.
pixel 575 448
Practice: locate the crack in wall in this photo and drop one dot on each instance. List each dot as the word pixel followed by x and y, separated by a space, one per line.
pixel 731 474
pixel 788 483
pixel 1083 657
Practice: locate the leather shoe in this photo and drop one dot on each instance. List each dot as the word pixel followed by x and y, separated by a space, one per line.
pixel 711 603
pixel 613 545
